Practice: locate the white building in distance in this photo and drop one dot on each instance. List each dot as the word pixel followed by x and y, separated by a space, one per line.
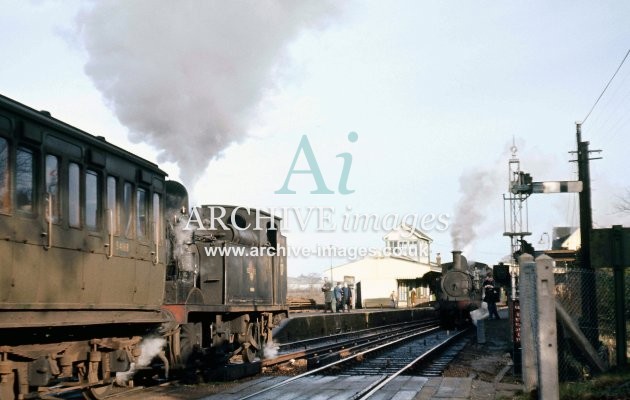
pixel 404 265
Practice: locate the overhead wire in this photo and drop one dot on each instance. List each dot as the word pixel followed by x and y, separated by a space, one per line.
pixel 606 87
pixel 611 104
pixel 617 126
pixel 613 114
pixel 610 120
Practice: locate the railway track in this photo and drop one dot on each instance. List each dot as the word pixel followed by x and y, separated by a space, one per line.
pixel 332 346
pixel 382 353
pixel 367 371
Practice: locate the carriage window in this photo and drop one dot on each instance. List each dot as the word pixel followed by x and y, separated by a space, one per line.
pixel 52 185
pixel 126 215
pixel 239 222
pixel 272 236
pixel 74 209
pixel 156 217
pixel 24 180
pixel 5 204
pixel 91 200
pixel 141 213
pixel 111 202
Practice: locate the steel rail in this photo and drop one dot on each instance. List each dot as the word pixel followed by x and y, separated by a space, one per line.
pixel 306 342
pixel 343 360
pixel 372 389
pixel 342 345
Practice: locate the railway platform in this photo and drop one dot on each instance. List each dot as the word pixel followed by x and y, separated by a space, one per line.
pixel 307 325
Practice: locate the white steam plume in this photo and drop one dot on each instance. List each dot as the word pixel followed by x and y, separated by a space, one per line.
pixel 480 205
pixel 186 76
pixel 150 347
pixel 270 350
pixel 478 188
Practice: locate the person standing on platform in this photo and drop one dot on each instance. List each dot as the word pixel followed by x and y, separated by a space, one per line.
pixel 491 296
pixel 412 296
pixel 347 297
pixel 338 297
pixel 393 298
pixel 344 299
pixel 328 295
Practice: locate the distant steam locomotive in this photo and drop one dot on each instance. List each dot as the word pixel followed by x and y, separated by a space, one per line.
pixel 94 258
pixel 459 290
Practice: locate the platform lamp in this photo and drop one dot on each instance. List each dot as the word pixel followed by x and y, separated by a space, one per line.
pixel 331 264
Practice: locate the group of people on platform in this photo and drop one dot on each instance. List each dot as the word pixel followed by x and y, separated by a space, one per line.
pixel 337 299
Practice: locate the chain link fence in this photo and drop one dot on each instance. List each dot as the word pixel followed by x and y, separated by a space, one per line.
pixel 588 297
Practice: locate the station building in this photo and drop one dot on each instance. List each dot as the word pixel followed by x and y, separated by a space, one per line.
pixel 403 265
pixel 565 242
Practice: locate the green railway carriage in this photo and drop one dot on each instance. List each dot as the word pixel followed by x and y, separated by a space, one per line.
pixel 94 260
pixel 80 225
pixel 82 252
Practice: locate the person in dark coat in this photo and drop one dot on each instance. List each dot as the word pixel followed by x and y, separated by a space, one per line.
pixel 344 297
pixel 347 297
pixel 491 296
pixel 338 292
pixel 328 295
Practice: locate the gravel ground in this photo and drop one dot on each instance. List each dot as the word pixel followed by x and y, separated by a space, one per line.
pixel 485 360
pixel 489 364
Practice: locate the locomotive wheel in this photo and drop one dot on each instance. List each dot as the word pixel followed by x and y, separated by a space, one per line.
pixel 249 353
pixel 98 392
pixel 7 387
pixel 251 346
pixel 189 342
pixel 93 374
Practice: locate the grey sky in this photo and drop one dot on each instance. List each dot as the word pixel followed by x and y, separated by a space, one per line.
pixel 435 90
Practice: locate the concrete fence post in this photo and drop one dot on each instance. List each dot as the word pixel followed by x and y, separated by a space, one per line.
pixel 547 342
pixel 481 331
pixel 527 298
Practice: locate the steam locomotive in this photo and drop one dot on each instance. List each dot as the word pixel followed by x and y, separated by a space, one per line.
pixel 95 257
pixel 459 290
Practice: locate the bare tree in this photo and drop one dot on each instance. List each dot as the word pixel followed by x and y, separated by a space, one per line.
pixel 623 203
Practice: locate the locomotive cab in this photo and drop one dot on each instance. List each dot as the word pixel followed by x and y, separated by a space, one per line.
pixel 228 289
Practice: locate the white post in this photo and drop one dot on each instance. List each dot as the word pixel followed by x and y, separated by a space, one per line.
pixel 547 335
pixel 527 298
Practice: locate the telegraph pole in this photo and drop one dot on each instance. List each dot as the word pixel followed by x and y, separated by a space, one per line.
pixel 589 288
pixel 586 215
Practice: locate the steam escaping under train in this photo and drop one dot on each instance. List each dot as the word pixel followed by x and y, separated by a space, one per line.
pixel 94 258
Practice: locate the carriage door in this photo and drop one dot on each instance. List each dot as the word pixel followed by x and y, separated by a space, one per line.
pixel 280 269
